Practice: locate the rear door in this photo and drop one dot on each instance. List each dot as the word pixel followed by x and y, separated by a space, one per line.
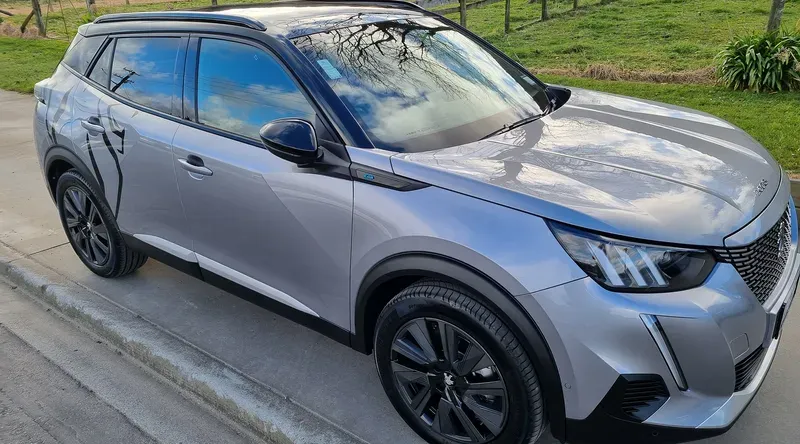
pixel 257 220
pixel 123 127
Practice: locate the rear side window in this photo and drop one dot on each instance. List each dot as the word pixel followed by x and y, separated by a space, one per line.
pixel 241 87
pixel 143 70
pixel 102 69
pixel 81 51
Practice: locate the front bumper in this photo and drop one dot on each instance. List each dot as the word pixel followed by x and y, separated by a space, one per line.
pixel 598 338
pixel 677 420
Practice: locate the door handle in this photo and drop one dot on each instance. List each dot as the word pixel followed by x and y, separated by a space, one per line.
pixel 93 126
pixel 191 165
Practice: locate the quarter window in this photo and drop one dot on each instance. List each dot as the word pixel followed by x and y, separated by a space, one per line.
pixel 102 68
pixel 144 70
pixel 241 87
pixel 81 51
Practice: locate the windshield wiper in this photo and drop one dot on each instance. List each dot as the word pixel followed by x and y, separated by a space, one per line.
pixel 506 127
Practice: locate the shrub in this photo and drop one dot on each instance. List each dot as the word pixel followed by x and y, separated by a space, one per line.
pixel 768 62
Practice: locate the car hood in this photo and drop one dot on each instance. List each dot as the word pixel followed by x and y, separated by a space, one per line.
pixel 618 165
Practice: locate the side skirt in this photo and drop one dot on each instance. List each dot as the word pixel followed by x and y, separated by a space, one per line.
pixel 193 269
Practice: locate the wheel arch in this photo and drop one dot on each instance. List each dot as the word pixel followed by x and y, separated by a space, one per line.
pixel 385 279
pixel 58 160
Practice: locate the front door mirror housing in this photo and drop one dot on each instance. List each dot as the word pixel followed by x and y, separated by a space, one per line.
pixel 291 139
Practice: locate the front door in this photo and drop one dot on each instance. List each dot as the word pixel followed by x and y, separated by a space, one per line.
pixel 129 147
pixel 255 219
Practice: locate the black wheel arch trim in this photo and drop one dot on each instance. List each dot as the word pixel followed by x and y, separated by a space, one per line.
pixel 504 305
pixel 58 152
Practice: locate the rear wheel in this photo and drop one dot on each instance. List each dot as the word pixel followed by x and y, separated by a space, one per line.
pixel 92 230
pixel 454 371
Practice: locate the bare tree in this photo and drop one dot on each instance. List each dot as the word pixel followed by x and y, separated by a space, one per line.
pixel 574 4
pixel 508 16
pixel 545 12
pixel 462 4
pixel 775 15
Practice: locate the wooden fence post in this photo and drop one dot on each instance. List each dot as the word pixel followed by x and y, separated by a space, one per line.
pixel 37 14
pixel 462 4
pixel 545 12
pixel 508 16
pixel 90 8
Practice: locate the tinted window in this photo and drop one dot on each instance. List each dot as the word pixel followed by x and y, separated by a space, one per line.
pixel 81 52
pixel 100 71
pixel 241 87
pixel 144 70
pixel 417 85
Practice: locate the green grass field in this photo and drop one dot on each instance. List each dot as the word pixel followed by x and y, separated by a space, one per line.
pixel 656 35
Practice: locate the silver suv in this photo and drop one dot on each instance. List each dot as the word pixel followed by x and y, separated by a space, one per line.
pixel 517 255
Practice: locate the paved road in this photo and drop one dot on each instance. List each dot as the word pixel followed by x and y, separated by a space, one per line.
pixel 326 377
pixel 59 384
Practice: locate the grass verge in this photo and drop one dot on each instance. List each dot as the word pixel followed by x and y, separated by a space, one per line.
pixel 649 35
pixel 24 62
pixel 771 119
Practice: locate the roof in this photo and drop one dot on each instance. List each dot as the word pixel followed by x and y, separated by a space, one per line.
pixel 285 18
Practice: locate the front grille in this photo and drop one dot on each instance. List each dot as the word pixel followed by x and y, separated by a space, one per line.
pixel 747 369
pixel 643 397
pixel 761 263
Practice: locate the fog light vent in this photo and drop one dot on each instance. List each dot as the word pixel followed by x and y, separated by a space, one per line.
pixel 643 396
pixel 747 369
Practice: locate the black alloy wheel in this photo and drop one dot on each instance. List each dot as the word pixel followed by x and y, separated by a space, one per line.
pixel 449 380
pixel 454 371
pixel 91 228
pixel 86 227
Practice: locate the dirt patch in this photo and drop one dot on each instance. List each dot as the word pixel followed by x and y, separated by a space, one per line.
pixel 7 29
pixel 703 76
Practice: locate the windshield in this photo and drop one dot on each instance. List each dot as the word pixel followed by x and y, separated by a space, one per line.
pixel 418 84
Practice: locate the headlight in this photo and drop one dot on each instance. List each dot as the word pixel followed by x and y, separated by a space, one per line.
pixel 632 266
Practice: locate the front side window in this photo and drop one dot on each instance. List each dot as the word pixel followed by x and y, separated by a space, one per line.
pixel 419 84
pixel 241 87
pixel 143 70
pixel 81 51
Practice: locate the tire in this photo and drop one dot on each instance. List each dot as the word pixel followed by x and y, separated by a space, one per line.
pixel 438 312
pixel 94 236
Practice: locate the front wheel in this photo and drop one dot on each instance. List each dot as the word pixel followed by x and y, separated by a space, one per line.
pixel 454 371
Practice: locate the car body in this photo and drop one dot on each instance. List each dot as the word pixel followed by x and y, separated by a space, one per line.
pixel 329 234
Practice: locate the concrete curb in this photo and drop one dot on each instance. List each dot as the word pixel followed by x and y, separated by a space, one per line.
pixel 263 410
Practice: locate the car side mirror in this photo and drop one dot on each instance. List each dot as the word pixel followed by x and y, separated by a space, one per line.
pixel 291 139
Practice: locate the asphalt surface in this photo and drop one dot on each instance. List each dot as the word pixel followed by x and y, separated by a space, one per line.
pixel 59 384
pixel 320 374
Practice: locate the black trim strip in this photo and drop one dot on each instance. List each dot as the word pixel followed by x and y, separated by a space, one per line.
pixel 193 269
pixel 372 176
pixel 315 323
pixel 190 268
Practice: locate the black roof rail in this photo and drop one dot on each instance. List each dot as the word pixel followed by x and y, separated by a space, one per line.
pixel 183 16
pixel 400 3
